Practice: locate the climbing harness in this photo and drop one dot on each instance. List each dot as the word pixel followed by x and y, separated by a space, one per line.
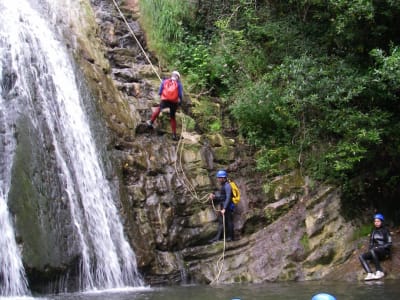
pixel 178 166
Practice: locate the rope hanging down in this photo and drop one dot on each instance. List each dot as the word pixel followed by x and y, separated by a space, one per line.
pixel 179 169
pixel 137 41
pixel 189 186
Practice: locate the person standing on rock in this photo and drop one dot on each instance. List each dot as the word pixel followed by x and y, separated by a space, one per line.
pixel 223 203
pixel 380 243
pixel 170 92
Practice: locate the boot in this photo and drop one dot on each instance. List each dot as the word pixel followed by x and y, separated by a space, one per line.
pixel 149 124
pixel 217 236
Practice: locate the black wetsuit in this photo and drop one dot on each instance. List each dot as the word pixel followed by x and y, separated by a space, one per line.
pixel 223 200
pixel 380 243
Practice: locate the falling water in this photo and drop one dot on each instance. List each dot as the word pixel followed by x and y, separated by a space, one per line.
pixel 12 275
pixel 41 77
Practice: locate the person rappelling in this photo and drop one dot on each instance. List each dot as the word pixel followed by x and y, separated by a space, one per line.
pixel 171 94
pixel 225 207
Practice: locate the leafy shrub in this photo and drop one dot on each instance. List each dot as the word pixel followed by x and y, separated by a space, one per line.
pixel 311 84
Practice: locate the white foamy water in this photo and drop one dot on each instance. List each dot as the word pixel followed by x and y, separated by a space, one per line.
pixel 42 64
pixel 12 274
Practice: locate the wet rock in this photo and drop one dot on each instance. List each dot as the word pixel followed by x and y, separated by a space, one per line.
pixel 286 228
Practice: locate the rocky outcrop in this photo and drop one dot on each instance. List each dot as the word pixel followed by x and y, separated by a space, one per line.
pixel 286 228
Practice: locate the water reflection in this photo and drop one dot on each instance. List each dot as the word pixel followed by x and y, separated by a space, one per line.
pixel 387 290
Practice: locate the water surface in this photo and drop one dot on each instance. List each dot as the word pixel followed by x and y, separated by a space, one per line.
pixel 382 290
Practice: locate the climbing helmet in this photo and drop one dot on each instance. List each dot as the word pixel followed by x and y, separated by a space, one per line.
pixel 221 174
pixel 379 216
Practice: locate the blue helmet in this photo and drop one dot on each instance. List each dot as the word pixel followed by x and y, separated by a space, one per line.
pixel 221 174
pixel 379 216
pixel 323 296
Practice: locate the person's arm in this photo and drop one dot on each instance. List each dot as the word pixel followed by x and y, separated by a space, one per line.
pixel 180 93
pixel 161 87
pixel 216 196
pixel 388 239
pixel 371 240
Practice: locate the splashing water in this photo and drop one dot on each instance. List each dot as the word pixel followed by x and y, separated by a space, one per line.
pixel 41 77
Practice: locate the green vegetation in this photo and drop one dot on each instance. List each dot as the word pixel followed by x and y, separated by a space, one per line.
pixel 311 84
pixel 305 242
pixel 362 231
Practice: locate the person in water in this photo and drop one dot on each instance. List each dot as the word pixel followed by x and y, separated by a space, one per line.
pixel 380 243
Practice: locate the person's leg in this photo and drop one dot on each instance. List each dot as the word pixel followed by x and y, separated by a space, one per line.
pixel 377 255
pixel 375 258
pixel 172 112
pixel 173 126
pixel 157 112
pixel 363 259
pixel 229 224
pixel 220 228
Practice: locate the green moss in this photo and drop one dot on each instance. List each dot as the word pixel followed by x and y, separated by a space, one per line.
pixel 287 184
pixel 272 214
pixel 189 123
pixel 362 231
pixel 215 126
pixel 207 114
pixel 327 258
pixel 240 279
pixel 289 274
pixel 305 242
pixel 224 154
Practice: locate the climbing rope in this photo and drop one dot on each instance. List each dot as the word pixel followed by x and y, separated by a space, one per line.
pixel 136 39
pixel 189 186
pixel 178 166
pixel 178 169
pixel 221 259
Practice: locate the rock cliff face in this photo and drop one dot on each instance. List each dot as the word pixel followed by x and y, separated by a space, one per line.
pixel 286 228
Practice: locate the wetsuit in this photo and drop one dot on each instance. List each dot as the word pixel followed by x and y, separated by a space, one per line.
pixel 223 200
pixel 380 243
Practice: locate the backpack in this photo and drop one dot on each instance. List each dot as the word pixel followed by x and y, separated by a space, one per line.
pixel 170 90
pixel 235 192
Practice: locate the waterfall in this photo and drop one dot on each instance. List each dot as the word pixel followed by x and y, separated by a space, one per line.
pixel 38 79
pixel 12 275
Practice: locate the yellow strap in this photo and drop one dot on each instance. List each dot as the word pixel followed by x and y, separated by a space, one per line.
pixel 179 169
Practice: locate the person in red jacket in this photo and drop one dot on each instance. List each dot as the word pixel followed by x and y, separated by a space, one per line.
pixel 170 92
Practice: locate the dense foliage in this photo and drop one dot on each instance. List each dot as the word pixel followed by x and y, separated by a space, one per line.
pixel 311 84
